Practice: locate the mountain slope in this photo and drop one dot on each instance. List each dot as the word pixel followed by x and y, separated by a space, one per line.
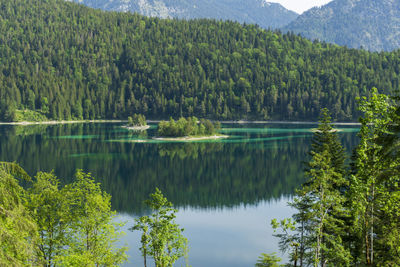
pixel 372 24
pixel 70 61
pixel 261 12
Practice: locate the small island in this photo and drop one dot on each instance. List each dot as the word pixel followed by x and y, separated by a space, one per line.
pixel 188 129
pixel 137 122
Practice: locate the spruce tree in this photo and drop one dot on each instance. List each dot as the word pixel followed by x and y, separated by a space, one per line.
pixel 314 234
pixel 325 137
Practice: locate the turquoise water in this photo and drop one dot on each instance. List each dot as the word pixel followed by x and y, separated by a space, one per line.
pixel 227 190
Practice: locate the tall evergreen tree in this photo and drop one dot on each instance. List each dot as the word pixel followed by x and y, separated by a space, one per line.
pixel 318 225
pixel 326 210
pixel 325 138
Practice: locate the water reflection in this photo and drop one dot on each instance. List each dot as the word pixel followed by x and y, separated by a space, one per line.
pixel 229 237
pixel 227 190
pixel 256 163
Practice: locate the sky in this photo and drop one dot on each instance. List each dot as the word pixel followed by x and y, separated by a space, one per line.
pixel 300 6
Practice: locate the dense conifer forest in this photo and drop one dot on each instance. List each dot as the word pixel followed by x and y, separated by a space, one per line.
pixel 68 61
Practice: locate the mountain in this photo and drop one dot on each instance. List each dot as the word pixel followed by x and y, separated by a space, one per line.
pixel 69 61
pixel 261 12
pixel 371 24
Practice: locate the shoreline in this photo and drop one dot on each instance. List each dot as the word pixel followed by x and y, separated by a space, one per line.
pixel 59 122
pixel 189 138
pixel 273 122
pixel 53 122
pixel 286 122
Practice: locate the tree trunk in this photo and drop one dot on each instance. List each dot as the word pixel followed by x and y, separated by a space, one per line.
pixel 302 244
pixel 144 257
pixel 367 259
pixel 372 224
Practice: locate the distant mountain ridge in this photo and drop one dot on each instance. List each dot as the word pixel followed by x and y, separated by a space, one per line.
pixel 261 12
pixel 371 24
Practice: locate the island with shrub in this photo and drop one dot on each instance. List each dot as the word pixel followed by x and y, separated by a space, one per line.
pixel 137 122
pixel 188 129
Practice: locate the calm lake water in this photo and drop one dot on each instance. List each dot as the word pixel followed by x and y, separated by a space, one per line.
pixel 227 191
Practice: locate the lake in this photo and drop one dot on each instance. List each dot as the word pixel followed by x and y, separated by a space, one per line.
pixel 227 191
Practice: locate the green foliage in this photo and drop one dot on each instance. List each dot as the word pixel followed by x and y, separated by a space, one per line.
pixel 387 246
pixel 93 234
pixel 350 218
pixel 92 64
pixel 50 212
pixel 7 110
pixel 326 209
pixel 314 235
pixel 186 127
pixel 137 120
pixel 29 115
pixel 325 137
pixel 44 105
pixel 130 121
pixel 268 260
pixel 18 231
pixel 49 226
pixel 75 222
pixel 162 238
pixel 15 170
pixel 372 188
pixel 288 240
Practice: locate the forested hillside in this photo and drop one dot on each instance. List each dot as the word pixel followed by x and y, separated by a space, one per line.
pixel 372 24
pixel 69 61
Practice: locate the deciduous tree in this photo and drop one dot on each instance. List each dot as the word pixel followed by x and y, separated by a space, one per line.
pixel 162 238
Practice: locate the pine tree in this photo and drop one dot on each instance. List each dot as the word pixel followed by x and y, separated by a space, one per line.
pixel 325 137
pixel 325 210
